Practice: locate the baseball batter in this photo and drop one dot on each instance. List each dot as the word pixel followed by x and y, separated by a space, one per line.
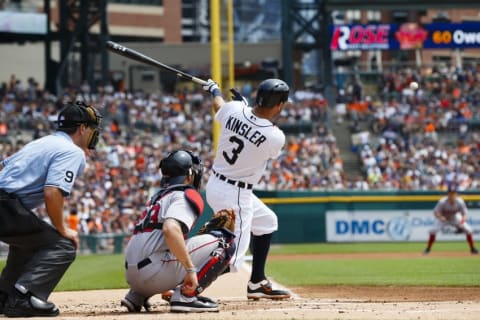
pixel 158 259
pixel 248 139
pixel 451 211
pixel 43 172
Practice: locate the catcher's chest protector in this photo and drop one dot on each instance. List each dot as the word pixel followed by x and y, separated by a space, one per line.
pixel 149 219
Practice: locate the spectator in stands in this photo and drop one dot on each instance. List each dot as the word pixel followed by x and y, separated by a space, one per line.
pixel 3 131
pixel 145 127
pixel 73 220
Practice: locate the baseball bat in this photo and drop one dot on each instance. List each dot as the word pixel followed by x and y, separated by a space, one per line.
pixel 140 57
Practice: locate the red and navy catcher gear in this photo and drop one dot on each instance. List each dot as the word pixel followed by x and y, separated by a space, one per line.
pixel 176 167
pixel 217 263
pixel 149 218
pixel 222 226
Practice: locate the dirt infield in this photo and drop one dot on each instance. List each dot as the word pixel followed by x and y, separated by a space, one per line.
pixel 314 302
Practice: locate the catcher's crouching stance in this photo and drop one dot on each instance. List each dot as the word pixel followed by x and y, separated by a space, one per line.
pixel 159 260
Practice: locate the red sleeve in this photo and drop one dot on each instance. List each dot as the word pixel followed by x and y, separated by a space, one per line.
pixel 195 200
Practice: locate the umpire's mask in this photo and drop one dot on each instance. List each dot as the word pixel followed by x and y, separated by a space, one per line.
pixel 75 114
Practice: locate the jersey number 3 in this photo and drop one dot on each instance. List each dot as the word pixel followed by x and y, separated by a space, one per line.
pixel 235 151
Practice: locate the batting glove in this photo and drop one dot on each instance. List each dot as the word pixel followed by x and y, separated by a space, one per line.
pixel 238 97
pixel 212 88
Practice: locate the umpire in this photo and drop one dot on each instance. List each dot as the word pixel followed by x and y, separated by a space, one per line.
pixel 42 173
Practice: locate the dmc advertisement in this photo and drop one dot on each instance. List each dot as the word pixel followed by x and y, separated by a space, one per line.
pixel 405 36
pixel 392 225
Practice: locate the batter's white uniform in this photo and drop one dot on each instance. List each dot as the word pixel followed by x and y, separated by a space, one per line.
pixel 245 145
pixel 150 267
pixel 454 214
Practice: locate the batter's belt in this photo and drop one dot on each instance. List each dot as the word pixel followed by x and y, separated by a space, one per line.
pixel 236 183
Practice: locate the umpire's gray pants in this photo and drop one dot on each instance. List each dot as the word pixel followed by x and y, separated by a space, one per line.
pixel 38 255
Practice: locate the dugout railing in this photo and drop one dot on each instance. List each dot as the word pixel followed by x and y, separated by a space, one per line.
pixel 102 243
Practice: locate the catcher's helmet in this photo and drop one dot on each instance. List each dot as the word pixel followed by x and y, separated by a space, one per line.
pixel 178 165
pixel 271 92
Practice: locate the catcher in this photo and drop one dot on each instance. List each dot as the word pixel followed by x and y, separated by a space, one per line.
pixel 451 211
pixel 159 260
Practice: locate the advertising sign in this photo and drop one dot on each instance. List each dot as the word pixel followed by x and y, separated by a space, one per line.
pixel 405 36
pixel 453 35
pixel 361 37
pixel 391 225
pixel 22 22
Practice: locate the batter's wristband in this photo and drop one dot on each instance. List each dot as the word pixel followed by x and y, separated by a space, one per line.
pixel 216 92
pixel 191 270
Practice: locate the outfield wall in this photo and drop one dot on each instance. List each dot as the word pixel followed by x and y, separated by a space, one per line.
pixel 337 217
pixel 359 216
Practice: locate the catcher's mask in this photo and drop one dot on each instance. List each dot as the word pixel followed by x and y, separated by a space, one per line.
pixel 75 114
pixel 178 165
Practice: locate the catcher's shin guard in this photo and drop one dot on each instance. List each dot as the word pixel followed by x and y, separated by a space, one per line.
pixel 216 264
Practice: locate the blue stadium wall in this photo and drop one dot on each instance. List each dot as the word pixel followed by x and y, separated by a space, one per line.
pixel 302 215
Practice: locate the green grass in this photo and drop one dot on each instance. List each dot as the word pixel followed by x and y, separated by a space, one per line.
pixel 417 247
pixel 107 271
pixel 418 271
pixel 95 272
pixel 411 271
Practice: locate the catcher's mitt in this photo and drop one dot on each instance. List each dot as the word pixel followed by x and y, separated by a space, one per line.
pixel 222 219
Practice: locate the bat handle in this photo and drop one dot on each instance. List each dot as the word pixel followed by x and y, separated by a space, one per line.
pixel 199 81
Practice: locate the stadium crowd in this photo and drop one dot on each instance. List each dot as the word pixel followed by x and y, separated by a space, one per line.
pixel 428 137
pixel 407 149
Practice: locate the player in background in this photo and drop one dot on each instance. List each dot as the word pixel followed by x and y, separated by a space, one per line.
pixel 42 173
pixel 158 259
pixel 452 211
pixel 248 139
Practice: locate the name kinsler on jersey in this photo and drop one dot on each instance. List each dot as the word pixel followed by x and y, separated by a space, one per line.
pixel 243 129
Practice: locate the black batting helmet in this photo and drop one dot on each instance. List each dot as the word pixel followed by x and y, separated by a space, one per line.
pixel 178 165
pixel 271 92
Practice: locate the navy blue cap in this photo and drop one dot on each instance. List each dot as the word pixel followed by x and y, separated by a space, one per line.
pixel 452 188
pixel 74 114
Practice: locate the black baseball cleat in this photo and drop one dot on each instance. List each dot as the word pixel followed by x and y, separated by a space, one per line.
pixel 3 300
pixel 206 299
pixel 474 251
pixel 147 305
pixel 132 307
pixel 426 251
pixel 263 289
pixel 181 303
pixel 27 305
